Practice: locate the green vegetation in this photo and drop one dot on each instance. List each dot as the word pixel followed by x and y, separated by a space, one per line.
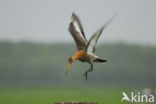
pixel 49 95
pixel 26 63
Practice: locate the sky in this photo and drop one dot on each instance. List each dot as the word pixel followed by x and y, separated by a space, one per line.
pixel 48 20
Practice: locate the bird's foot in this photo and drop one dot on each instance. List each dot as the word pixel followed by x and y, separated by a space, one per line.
pixel 86 75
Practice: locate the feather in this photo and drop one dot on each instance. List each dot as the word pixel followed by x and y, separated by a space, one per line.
pixel 77 33
pixel 91 46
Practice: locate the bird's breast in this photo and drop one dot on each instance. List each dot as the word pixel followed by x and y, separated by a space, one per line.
pixel 81 55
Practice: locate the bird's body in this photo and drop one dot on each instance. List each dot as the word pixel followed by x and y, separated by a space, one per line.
pixel 85 49
pixel 83 56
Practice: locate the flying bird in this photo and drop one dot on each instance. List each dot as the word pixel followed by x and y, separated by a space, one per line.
pixel 85 49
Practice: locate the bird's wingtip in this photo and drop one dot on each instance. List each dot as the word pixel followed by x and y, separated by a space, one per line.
pixel 74 16
pixel 73 13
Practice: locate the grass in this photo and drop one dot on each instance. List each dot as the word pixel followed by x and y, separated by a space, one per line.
pixel 49 95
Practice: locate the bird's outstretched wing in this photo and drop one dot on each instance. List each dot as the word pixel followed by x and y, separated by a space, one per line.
pixel 77 33
pixel 91 46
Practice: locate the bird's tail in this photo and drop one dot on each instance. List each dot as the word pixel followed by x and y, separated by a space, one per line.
pixel 100 60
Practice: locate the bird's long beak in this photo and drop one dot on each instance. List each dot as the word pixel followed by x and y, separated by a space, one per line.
pixel 68 68
pixel 69 65
pixel 71 60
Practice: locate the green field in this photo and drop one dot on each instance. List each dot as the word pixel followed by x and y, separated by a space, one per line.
pixel 49 95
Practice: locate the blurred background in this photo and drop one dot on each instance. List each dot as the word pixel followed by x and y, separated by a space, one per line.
pixel 35 46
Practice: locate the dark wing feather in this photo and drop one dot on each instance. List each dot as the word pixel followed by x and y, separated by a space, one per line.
pixel 91 46
pixel 78 26
pixel 93 40
pixel 77 33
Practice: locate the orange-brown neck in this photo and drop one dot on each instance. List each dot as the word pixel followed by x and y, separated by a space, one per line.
pixel 77 55
pixel 80 54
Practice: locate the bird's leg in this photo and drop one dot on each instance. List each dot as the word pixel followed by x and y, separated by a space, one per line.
pixel 90 70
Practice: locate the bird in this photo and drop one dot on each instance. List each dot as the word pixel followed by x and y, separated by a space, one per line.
pixel 85 49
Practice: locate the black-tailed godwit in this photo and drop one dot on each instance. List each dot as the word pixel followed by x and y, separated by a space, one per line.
pixel 85 49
